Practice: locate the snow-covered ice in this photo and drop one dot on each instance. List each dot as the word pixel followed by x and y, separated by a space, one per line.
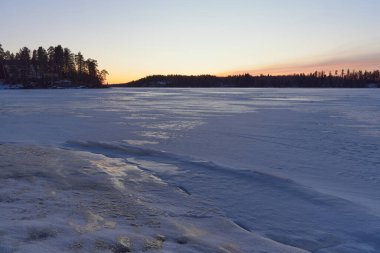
pixel 190 170
pixel 62 201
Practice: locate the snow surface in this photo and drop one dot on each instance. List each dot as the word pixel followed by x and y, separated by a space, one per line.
pixel 190 170
pixel 4 86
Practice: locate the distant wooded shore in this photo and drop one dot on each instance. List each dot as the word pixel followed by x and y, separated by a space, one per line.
pixel 338 79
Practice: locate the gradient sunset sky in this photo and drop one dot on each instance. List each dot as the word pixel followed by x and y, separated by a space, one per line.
pixel 135 38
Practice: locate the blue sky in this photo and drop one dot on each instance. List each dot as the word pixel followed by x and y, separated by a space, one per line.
pixel 134 38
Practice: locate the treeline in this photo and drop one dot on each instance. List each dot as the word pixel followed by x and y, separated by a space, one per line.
pixel 337 79
pixel 55 66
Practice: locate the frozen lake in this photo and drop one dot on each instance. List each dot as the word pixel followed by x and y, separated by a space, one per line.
pixel 214 170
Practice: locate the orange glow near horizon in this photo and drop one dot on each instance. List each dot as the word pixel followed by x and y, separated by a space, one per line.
pixel 113 79
pixel 361 63
pixel 120 77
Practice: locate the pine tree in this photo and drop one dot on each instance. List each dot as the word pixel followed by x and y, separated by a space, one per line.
pixel 2 53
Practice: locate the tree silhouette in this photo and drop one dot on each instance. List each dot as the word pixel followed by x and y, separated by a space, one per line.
pixel 58 60
pixel 2 53
pixel 24 58
pixel 79 61
pixel 68 61
pixel 103 75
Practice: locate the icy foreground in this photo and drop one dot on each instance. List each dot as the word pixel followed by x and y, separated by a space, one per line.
pixel 189 170
pixel 58 201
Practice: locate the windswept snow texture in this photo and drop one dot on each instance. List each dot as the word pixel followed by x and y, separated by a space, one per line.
pixel 190 170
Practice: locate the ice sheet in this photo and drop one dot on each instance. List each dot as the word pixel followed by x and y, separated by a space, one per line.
pixel 296 166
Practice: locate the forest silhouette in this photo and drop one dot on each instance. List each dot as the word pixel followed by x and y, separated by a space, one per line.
pixel 337 79
pixel 52 67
